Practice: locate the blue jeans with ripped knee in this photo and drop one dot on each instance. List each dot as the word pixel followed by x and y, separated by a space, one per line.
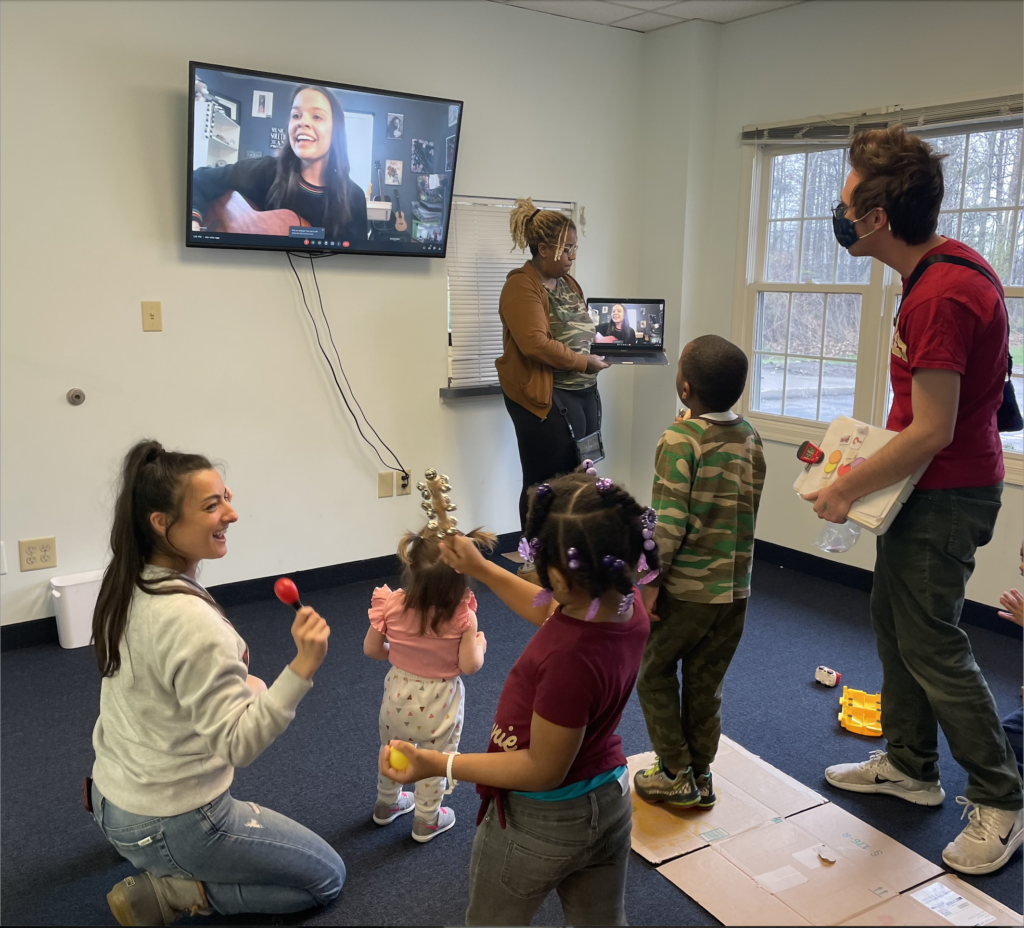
pixel 249 858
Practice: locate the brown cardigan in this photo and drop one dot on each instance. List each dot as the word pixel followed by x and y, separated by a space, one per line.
pixel 531 351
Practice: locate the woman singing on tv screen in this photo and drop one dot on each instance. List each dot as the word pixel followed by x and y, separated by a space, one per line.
pixel 310 178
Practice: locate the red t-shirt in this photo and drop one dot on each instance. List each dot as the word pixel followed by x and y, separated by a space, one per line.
pixel 578 675
pixel 954 320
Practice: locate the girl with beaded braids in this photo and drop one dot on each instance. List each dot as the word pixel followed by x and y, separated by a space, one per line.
pixel 553 783
pixel 546 336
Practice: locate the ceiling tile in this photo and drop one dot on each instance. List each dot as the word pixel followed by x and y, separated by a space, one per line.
pixel 647 22
pixel 644 4
pixel 591 11
pixel 723 11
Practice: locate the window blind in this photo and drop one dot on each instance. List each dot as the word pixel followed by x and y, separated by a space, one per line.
pixel 841 127
pixel 480 256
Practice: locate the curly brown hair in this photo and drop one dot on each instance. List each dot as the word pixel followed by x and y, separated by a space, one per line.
pixel 902 174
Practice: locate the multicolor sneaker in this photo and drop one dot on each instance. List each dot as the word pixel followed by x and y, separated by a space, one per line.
pixel 423 831
pixel 988 841
pixel 655 785
pixel 384 814
pixel 707 791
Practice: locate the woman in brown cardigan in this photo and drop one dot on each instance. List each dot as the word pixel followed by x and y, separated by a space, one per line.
pixel 547 373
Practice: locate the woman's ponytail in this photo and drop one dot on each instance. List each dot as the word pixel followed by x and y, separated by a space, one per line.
pixel 151 480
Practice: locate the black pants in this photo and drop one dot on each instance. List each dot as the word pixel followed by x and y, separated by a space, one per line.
pixel 546 449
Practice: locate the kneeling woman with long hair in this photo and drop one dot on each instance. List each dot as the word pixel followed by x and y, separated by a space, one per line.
pixel 179 711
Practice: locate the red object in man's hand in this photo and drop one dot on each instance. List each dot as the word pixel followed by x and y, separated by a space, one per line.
pixel 288 593
pixel 809 453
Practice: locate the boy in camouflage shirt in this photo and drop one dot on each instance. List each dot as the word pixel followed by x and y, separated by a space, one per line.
pixel 709 471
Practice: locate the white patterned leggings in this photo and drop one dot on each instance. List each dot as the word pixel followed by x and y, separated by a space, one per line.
pixel 427 713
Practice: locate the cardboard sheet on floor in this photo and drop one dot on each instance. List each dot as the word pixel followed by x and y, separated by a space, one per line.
pixel 750 793
pixel 945 901
pixel 824 865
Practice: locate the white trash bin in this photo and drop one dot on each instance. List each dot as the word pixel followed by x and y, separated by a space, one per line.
pixel 74 598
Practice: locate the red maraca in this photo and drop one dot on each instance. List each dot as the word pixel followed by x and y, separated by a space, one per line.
pixel 288 593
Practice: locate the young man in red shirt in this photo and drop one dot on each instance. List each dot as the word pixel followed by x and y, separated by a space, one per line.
pixel 947 368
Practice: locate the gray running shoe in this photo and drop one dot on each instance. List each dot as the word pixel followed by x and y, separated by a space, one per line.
pixel 655 785
pixel 988 841
pixel 707 791
pixel 424 831
pixel 878 775
pixel 384 814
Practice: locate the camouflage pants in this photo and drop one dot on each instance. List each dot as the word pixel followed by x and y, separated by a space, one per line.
pixel 703 636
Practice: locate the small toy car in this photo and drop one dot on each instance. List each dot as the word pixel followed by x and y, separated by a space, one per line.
pixel 827 676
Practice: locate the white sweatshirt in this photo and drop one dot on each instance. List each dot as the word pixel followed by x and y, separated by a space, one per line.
pixel 178 717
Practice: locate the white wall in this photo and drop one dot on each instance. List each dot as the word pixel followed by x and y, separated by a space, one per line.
pixel 813 58
pixel 94 103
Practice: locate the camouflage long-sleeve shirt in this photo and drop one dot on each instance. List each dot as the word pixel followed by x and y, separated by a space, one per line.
pixel 708 477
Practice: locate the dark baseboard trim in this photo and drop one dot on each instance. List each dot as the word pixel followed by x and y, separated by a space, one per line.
pixel 28 634
pixel 974 613
pixel 242 592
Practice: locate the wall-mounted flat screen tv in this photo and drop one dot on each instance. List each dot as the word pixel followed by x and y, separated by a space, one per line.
pixel 293 164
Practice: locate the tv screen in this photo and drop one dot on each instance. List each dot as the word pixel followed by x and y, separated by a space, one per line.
pixel 293 164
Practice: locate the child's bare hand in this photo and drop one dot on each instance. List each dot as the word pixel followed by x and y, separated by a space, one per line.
pixel 418 769
pixel 481 642
pixel 462 555
pixel 1013 602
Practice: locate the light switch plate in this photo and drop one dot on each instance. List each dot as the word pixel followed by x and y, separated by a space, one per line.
pixel 385 483
pixel 152 318
pixel 37 553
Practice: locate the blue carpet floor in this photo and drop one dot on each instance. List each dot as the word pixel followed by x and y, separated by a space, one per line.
pixel 55 866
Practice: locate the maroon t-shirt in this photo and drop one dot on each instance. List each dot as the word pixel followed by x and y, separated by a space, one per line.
pixel 578 675
pixel 954 320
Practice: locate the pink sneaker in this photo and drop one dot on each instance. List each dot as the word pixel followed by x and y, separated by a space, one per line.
pixel 424 832
pixel 385 815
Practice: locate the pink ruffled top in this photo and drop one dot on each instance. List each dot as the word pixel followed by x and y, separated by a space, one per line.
pixel 434 656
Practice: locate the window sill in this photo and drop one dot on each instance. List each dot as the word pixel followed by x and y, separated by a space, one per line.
pixel 796 431
pixel 462 393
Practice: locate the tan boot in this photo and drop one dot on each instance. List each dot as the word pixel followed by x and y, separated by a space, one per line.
pixel 145 899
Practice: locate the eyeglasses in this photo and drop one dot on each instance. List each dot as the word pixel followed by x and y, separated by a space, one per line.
pixel 570 250
pixel 839 210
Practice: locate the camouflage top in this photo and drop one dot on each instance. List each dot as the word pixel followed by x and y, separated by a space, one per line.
pixel 572 326
pixel 708 477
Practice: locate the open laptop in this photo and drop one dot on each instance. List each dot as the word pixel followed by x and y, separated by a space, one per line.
pixel 629 331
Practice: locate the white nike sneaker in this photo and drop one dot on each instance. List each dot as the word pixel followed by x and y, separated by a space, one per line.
pixel 988 841
pixel 878 775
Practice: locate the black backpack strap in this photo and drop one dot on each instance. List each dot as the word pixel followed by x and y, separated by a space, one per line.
pixel 926 263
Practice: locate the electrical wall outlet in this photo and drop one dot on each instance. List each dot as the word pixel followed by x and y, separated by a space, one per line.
pixel 404 485
pixel 152 318
pixel 3 559
pixel 37 553
pixel 385 483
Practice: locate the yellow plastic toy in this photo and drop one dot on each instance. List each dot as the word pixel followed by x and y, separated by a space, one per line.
pixel 861 712
pixel 399 761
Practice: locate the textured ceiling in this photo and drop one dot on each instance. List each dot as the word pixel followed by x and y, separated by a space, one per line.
pixel 648 15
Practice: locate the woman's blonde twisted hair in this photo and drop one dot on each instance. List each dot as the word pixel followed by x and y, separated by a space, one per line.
pixel 531 227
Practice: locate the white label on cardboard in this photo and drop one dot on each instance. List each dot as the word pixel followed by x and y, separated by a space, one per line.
pixel 775 881
pixel 955 909
pixel 814 857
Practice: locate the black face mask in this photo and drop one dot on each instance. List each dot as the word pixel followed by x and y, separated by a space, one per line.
pixel 843 228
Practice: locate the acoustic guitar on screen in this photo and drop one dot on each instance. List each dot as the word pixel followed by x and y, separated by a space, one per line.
pixel 234 213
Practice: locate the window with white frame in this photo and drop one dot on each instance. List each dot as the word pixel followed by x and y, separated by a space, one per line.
pixel 480 257
pixel 817 322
